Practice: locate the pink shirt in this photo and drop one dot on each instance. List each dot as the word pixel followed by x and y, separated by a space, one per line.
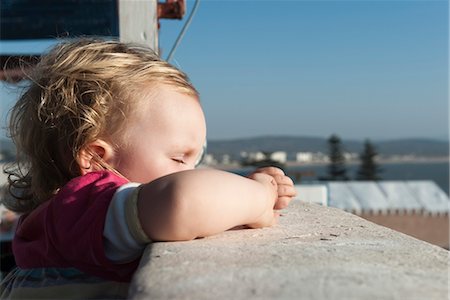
pixel 67 231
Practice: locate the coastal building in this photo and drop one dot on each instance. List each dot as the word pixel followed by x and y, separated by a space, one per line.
pixel 311 157
pixel 351 156
pixel 253 156
pixel 304 157
pixel 209 160
pixel 279 156
pixel 226 159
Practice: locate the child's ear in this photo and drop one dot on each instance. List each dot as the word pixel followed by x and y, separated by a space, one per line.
pixel 88 157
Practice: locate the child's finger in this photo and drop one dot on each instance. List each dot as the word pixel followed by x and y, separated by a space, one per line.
pixel 282 202
pixel 286 190
pixel 272 171
pixel 283 180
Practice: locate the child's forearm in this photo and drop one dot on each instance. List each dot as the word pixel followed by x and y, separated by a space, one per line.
pixel 197 203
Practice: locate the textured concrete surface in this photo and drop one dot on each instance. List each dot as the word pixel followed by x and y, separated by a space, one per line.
pixel 314 253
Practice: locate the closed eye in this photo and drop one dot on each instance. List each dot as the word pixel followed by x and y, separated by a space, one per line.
pixel 179 160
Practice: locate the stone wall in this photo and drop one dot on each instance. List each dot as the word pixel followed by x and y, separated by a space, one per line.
pixel 315 252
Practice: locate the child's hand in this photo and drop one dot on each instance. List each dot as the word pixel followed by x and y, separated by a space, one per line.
pixel 285 187
pixel 269 217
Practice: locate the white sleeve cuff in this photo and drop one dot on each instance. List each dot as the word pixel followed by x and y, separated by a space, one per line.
pixel 121 244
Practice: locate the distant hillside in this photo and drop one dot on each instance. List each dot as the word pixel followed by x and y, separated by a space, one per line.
pixel 425 147
pixel 292 145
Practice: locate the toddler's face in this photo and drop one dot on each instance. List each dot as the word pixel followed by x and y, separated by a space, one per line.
pixel 165 136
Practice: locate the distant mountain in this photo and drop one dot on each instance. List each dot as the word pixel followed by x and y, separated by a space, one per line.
pixel 292 145
pixel 424 147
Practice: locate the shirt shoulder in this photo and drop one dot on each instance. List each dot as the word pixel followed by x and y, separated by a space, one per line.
pixel 68 230
pixel 90 184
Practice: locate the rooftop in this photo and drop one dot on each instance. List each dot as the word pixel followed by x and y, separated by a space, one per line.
pixel 378 196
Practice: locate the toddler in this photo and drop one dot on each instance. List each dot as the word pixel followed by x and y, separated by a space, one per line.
pixel 108 137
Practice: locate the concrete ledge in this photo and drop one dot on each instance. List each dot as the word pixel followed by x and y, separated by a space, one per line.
pixel 314 253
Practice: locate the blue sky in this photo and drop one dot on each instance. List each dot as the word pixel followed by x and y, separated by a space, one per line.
pixel 360 69
pixel 375 69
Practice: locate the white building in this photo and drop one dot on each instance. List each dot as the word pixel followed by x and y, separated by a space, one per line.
pixel 209 160
pixel 350 156
pixel 226 159
pixel 304 157
pixel 279 156
pixel 255 156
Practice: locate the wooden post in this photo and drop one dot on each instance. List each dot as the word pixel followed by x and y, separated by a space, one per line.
pixel 138 22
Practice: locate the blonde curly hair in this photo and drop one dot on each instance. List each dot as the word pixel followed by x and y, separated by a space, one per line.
pixel 80 91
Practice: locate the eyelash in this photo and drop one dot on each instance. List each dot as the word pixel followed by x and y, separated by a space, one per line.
pixel 180 161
